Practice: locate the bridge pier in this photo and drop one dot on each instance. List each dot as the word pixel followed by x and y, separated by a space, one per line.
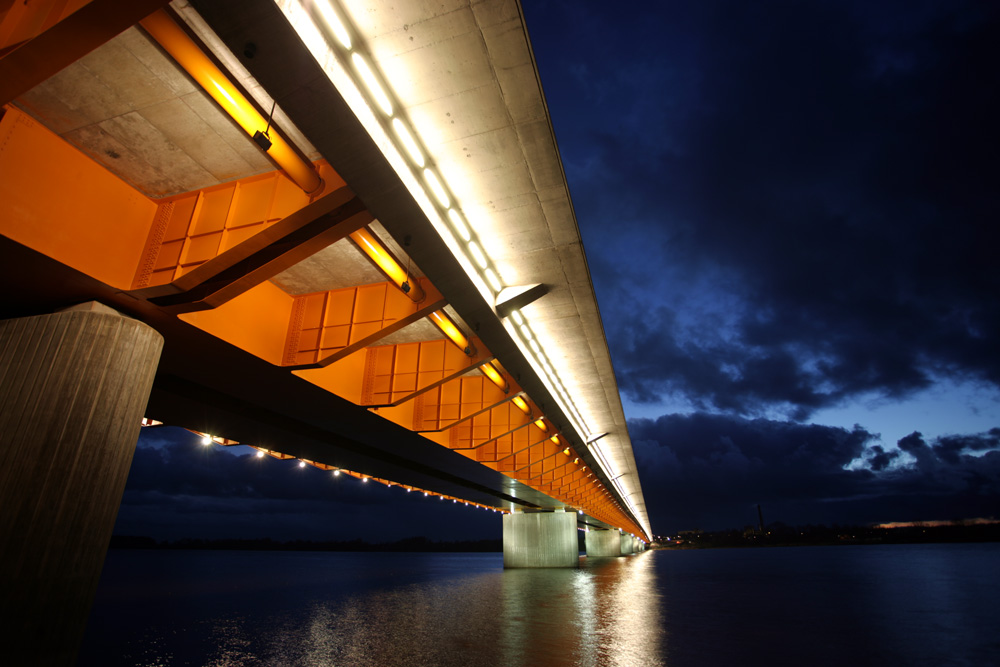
pixel 540 539
pixel 603 543
pixel 627 544
pixel 73 390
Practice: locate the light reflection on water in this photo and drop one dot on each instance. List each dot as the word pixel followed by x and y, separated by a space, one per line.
pixel 605 613
pixel 894 605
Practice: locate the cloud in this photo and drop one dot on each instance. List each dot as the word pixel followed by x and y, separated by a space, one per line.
pixel 786 205
pixel 710 471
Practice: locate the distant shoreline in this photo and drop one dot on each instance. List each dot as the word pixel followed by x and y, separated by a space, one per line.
pixel 779 535
pixel 776 535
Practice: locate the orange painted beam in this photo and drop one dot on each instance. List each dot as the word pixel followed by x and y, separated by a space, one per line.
pixel 326 327
pixel 496 423
pixel 212 257
pixel 454 401
pixel 395 374
pixel 27 63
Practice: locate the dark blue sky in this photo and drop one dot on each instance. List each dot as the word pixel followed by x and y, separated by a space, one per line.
pixel 790 213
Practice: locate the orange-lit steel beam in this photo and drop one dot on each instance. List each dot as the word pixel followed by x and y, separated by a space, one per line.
pixel 189 56
pixel 481 429
pixel 25 65
pixel 454 401
pixel 263 255
pixel 327 326
pixel 395 374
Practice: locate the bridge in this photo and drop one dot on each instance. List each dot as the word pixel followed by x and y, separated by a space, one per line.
pixel 336 232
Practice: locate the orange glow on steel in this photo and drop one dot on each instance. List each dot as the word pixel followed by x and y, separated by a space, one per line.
pixel 182 48
pixel 451 330
pixel 387 263
pixel 521 405
pixel 542 425
pixel 490 371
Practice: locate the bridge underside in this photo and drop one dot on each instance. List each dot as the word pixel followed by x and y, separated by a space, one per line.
pixel 310 303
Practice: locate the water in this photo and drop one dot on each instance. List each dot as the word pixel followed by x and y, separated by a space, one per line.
pixel 850 605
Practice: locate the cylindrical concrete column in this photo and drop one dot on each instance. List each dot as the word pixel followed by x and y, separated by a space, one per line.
pixel 540 539
pixel 603 543
pixel 626 545
pixel 73 389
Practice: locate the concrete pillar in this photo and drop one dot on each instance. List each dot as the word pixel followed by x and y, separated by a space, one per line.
pixel 540 539
pixel 73 389
pixel 626 542
pixel 603 543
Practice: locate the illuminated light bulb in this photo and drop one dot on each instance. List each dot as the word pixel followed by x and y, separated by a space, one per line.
pixel 260 453
pixel 441 497
pixel 459 224
pixel 576 460
pixel 425 494
pixel 493 280
pixel 580 511
pixel 374 87
pixel 477 254
pixel 518 318
pixel 206 440
pixel 408 490
pixel 302 464
pixel 533 344
pixel 521 405
pixel 364 479
pixel 542 426
pixel 333 22
pixel 555 439
pixel 336 473
pixel 566 451
pixel 409 143
pixel 526 332
pixel 454 500
pixel 434 183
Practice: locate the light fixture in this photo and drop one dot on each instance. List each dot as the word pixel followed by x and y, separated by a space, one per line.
pixel 521 405
pixel 543 427
pixel 459 224
pixel 364 479
pixel 206 440
pixel 477 255
pixel 388 264
pixel 371 83
pixel 434 183
pixel 260 453
pixel 333 23
pixel 493 279
pixel 451 330
pixel 409 143
pixel 491 372
pixel 336 473
pixel 302 464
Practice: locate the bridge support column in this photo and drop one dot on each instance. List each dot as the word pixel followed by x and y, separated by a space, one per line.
pixel 603 543
pixel 73 389
pixel 540 539
pixel 626 545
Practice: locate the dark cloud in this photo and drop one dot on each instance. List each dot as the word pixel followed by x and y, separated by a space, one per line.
pixel 179 489
pixel 786 205
pixel 710 471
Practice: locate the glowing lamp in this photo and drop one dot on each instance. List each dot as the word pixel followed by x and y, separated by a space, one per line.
pixel 451 330
pixel 490 371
